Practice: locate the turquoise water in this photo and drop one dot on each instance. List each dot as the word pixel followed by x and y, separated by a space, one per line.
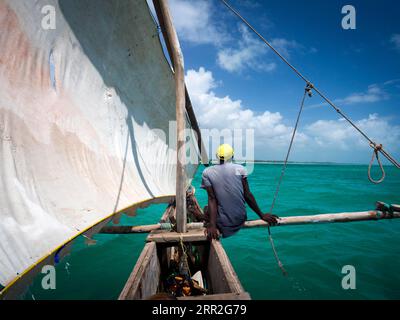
pixel 313 255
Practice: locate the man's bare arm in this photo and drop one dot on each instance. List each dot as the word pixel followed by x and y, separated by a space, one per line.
pixel 251 201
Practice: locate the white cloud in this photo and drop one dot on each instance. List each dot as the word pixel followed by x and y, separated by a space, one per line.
pixel 194 22
pixel 395 39
pixel 246 55
pixel 249 3
pixel 214 112
pixel 199 82
pixel 322 140
pixel 374 93
pixel 285 46
pixel 251 52
pixel 391 82
pixel 339 139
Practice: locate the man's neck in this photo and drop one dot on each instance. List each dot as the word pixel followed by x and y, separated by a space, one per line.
pixel 224 162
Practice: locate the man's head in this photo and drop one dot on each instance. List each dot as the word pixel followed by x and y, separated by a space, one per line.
pixel 225 153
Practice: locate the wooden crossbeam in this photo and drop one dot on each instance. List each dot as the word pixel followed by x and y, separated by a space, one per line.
pixel 285 221
pixel 327 218
pixel 172 237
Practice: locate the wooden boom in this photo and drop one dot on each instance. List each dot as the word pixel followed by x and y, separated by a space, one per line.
pixel 286 221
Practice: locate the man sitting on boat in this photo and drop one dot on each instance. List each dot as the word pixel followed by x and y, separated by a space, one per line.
pixel 228 192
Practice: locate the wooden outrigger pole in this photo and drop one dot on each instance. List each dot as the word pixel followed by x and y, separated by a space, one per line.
pixel 286 221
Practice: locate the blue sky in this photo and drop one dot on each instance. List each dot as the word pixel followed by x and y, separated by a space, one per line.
pixel 235 81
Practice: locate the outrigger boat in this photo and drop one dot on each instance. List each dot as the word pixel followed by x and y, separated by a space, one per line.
pixel 148 278
pixel 84 83
pixel 151 277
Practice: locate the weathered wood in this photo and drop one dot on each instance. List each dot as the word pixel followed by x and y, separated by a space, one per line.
pixel 161 236
pixel 285 221
pixel 177 59
pixel 222 296
pixel 326 218
pixel 188 103
pixel 144 279
pixel 130 229
pixel 146 228
pixel 223 277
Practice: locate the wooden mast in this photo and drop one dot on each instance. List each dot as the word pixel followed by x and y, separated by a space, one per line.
pixel 177 61
pixel 188 105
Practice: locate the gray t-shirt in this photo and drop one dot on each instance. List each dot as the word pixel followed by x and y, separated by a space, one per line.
pixel 226 180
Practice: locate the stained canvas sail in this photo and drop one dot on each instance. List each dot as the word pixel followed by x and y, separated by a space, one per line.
pixel 79 105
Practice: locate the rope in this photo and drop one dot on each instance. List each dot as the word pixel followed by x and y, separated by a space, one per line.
pixel 280 264
pixel 289 149
pixel 381 150
pixel 165 226
pixel 271 240
pixel 184 256
pixel 376 154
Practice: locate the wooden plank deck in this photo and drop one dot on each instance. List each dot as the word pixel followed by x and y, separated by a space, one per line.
pixel 161 236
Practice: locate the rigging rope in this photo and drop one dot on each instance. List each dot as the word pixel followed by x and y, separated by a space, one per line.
pixel 372 143
pixel 376 154
pixel 307 90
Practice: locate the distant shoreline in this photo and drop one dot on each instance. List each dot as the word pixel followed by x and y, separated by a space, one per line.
pixel 300 163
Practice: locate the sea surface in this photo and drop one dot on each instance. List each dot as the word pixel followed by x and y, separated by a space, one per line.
pixel 313 255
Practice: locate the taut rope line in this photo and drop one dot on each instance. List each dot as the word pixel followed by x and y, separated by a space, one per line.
pixel 307 90
pixel 372 143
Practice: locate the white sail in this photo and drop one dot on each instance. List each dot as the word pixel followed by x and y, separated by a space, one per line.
pixel 78 105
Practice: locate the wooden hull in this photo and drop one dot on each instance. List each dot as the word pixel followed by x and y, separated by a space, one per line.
pixel 220 278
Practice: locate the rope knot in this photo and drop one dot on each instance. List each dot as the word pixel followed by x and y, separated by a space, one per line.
pixel 377 148
pixel 309 88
